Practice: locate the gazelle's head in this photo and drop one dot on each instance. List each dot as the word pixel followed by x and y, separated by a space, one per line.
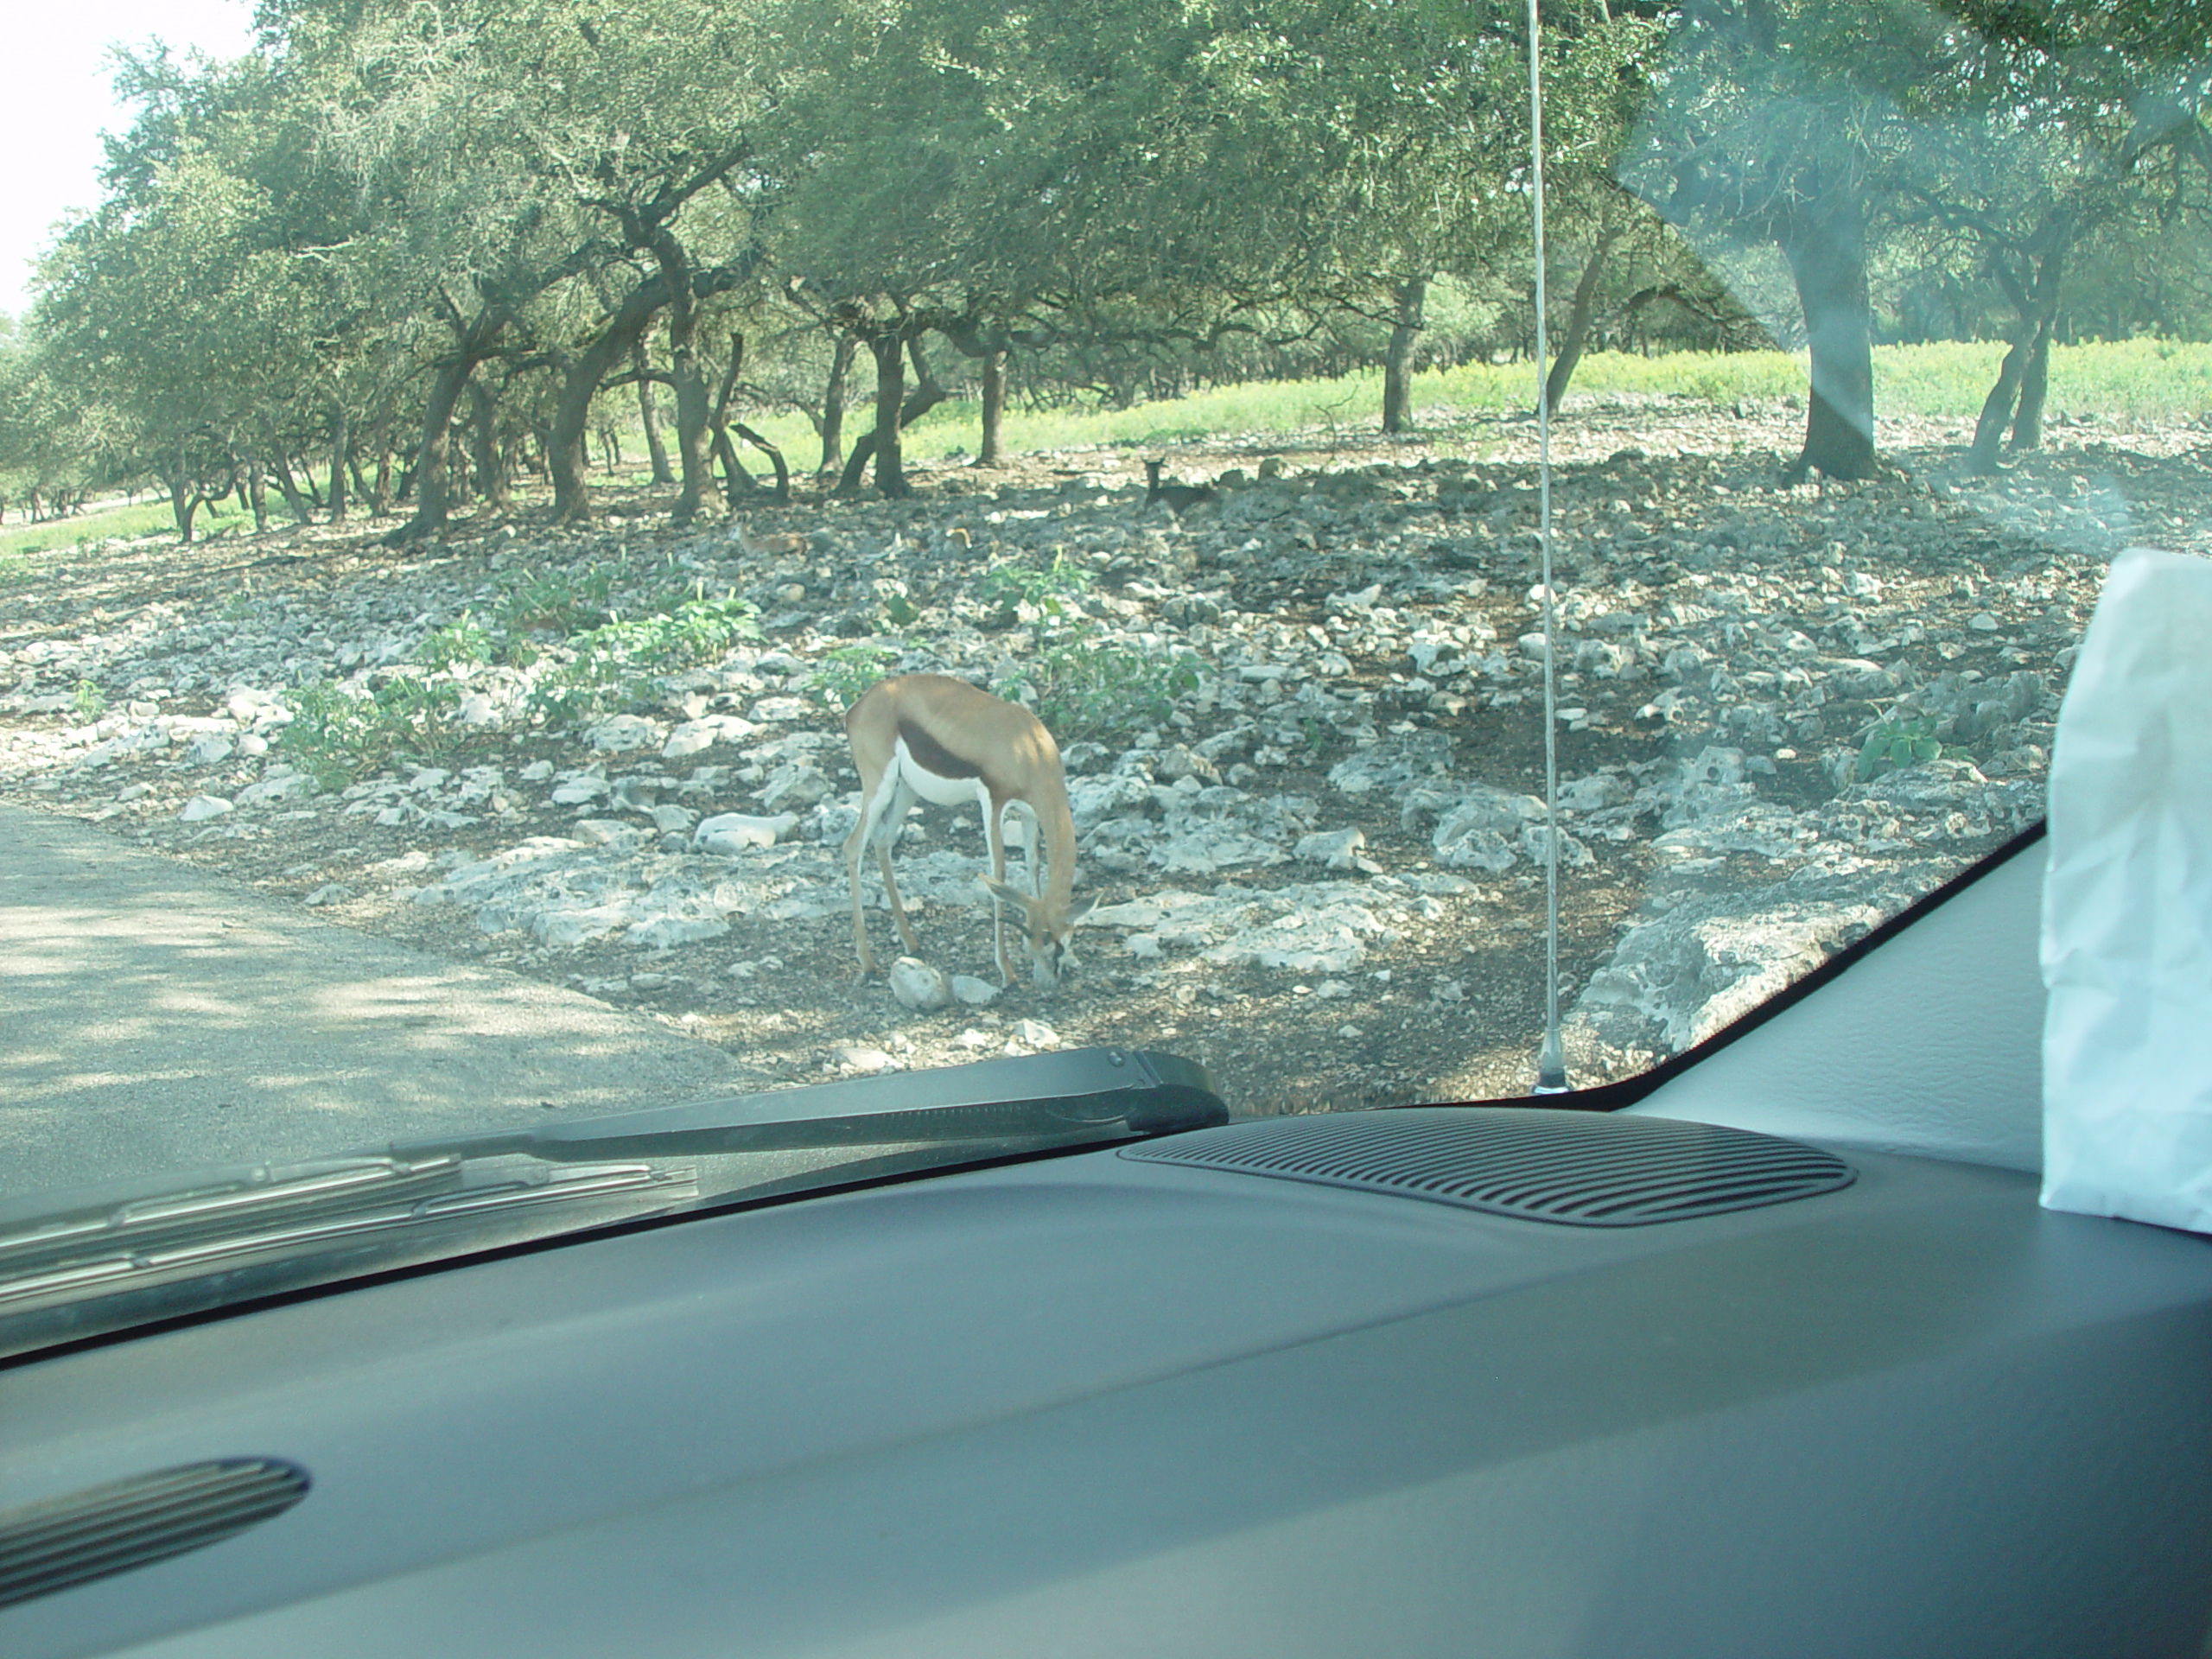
pixel 1046 932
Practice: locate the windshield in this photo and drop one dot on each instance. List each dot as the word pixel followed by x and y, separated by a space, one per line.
pixel 561 557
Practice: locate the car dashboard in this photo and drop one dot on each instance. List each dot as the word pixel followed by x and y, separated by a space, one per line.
pixel 1216 1394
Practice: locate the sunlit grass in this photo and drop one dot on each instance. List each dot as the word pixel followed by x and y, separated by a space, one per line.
pixel 107 523
pixel 2160 381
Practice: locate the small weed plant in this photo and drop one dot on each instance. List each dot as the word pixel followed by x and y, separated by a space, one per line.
pixel 1893 745
pixel 90 701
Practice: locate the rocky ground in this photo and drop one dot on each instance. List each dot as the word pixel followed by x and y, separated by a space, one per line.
pixel 1304 734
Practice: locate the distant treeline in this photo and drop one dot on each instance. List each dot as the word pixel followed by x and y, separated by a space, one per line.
pixel 406 251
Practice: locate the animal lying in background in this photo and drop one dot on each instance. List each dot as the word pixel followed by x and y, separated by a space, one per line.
pixel 1179 498
pixel 781 545
pixel 930 737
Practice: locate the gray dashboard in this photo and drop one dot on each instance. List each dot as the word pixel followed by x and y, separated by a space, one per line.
pixel 1093 1405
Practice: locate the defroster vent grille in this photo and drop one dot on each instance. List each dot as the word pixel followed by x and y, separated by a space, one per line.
pixel 1581 1168
pixel 65 1540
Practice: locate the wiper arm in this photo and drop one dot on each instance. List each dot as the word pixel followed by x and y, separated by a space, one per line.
pixel 224 1217
pixel 114 1254
pixel 1074 1096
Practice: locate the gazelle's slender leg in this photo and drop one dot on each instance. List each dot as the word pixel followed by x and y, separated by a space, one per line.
pixel 894 820
pixel 1031 848
pixel 995 838
pixel 875 807
pixel 897 909
pixel 853 873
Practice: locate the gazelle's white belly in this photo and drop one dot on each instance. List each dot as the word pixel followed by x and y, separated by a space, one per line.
pixel 941 792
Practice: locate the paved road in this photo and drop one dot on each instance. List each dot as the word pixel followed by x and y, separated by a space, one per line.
pixel 155 1018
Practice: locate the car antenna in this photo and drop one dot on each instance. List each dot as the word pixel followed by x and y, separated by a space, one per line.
pixel 1551 1061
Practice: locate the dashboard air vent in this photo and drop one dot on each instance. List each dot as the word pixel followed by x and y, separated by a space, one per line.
pixel 1581 1168
pixel 66 1541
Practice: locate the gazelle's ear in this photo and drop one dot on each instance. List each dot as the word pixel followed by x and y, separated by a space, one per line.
pixel 998 889
pixel 1077 912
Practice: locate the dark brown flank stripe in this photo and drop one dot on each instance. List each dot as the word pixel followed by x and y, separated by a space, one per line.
pixel 933 755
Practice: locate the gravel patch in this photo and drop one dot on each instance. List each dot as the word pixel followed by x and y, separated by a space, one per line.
pixel 1319 865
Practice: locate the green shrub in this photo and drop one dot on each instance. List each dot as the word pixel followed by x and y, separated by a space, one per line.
pixel 1052 594
pixel 843 676
pixel 554 602
pixel 606 667
pixel 677 633
pixel 337 737
pixel 457 643
pixel 1083 688
pixel 613 667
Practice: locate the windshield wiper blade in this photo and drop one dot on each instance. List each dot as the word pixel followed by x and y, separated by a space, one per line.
pixel 215 1222
pixel 96 1260
pixel 217 1203
pixel 1072 1096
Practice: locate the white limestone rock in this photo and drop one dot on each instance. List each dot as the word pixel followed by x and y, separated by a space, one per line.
pixel 918 986
pixel 730 834
pixel 200 808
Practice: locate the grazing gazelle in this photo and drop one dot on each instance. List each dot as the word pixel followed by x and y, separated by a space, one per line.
pixel 929 737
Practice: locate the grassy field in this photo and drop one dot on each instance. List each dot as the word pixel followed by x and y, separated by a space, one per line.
pixel 18 541
pixel 2148 380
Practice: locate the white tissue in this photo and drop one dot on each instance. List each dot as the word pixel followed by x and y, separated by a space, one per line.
pixel 2127 905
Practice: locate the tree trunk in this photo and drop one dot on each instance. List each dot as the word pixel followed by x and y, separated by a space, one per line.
pixel 2026 371
pixel 1580 316
pixel 1826 247
pixel 649 414
pixel 564 449
pixel 380 493
pixel 889 381
pixel 988 454
pixel 775 459
pixel 341 444
pixel 737 483
pixel 184 502
pixel 257 494
pixel 1996 409
pixel 692 408
pixel 833 407
pixel 1397 364
pixel 295 502
pixel 484 445
pixel 890 352
pixel 433 487
pixel 2035 387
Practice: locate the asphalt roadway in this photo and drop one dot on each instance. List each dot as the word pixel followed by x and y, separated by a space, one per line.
pixel 154 1018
